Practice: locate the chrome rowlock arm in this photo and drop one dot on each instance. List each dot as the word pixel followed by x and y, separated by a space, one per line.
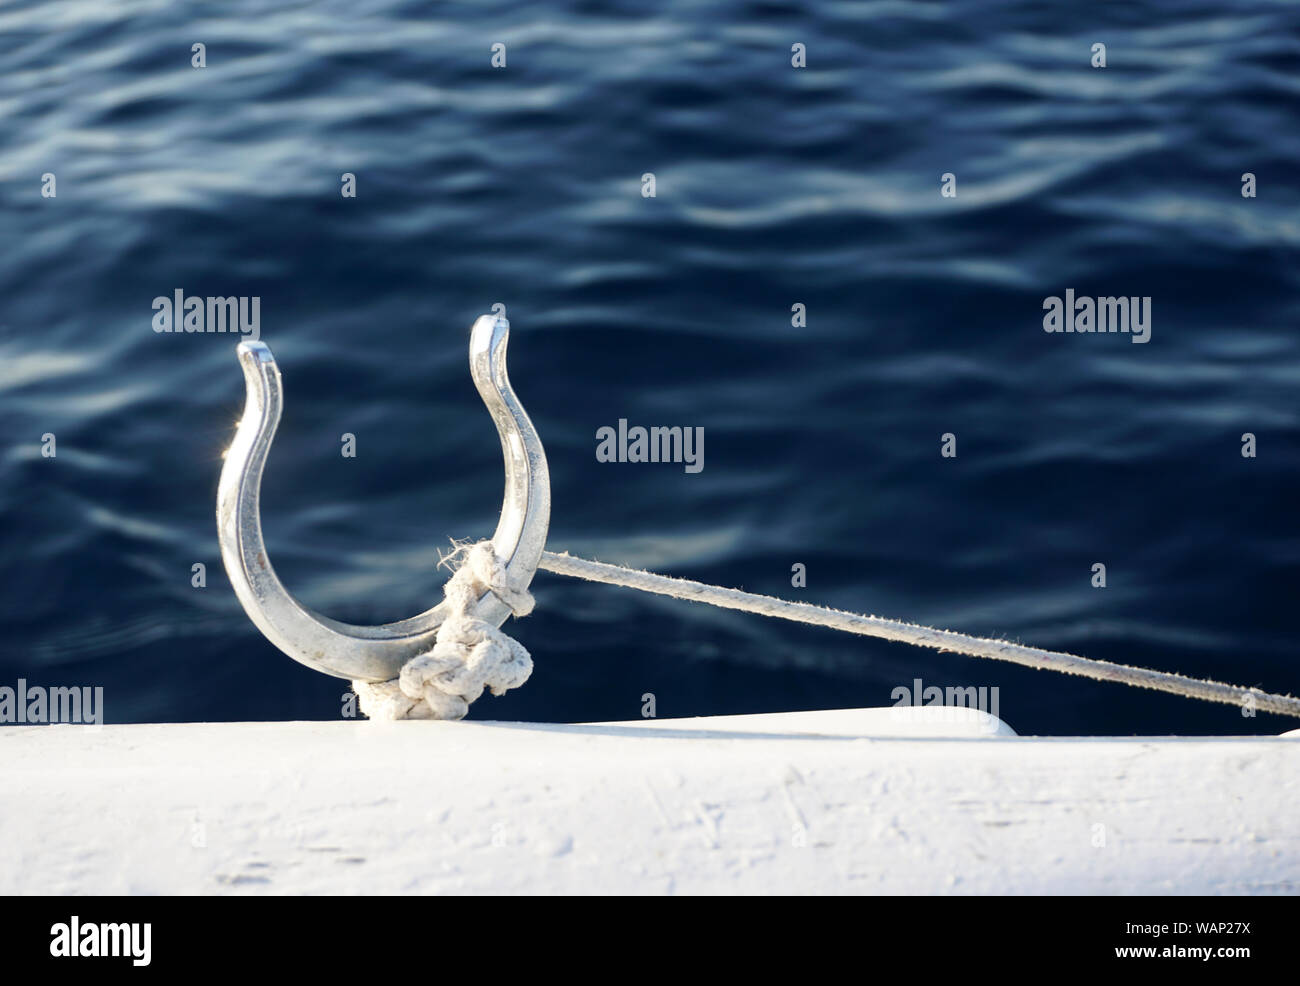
pixel 374 653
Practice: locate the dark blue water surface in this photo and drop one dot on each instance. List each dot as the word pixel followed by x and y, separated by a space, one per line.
pixel 775 186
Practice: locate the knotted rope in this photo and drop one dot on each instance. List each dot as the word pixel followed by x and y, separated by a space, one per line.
pixel 469 654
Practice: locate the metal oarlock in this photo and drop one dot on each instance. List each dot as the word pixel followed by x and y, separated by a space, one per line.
pixel 374 653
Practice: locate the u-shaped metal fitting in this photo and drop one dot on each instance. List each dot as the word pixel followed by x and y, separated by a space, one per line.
pixel 373 653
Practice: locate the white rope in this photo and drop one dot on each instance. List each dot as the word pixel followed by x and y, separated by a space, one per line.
pixel 922 636
pixel 468 654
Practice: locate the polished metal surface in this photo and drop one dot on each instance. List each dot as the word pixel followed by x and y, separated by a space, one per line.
pixel 373 653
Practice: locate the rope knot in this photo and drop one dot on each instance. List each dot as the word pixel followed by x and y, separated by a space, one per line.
pixel 469 654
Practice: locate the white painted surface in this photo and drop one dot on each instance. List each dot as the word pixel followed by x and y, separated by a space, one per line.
pixel 805 803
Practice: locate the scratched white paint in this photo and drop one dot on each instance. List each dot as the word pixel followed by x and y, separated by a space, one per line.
pixel 850 801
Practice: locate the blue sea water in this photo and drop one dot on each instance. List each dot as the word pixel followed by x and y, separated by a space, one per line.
pixel 775 186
